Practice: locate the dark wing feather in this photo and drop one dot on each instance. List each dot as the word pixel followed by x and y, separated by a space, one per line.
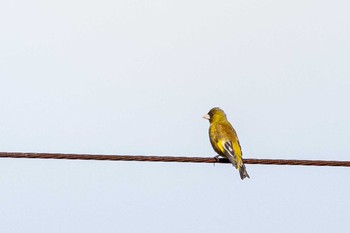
pixel 230 153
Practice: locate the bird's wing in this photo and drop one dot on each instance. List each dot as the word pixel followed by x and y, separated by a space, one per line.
pixel 230 153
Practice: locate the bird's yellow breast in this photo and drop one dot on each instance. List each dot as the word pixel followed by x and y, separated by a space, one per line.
pixel 221 132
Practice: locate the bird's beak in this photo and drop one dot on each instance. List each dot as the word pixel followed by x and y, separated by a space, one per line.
pixel 206 116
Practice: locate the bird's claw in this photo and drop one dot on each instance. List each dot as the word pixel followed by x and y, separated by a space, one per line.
pixel 217 158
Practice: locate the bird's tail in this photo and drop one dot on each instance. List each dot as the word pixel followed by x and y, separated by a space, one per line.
pixel 243 171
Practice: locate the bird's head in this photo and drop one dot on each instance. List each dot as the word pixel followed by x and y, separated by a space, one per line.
pixel 215 114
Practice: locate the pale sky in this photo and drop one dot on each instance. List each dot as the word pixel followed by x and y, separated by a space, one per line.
pixel 134 77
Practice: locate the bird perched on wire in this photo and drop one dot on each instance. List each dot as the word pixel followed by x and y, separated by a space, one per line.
pixel 224 140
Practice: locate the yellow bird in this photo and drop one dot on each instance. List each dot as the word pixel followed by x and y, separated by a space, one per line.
pixel 224 140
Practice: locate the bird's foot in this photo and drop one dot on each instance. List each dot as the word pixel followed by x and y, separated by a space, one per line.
pixel 217 158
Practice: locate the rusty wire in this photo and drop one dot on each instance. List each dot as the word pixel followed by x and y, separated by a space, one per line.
pixel 170 159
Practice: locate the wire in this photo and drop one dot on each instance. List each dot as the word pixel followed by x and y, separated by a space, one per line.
pixel 170 159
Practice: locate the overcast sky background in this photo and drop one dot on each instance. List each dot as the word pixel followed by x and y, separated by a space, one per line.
pixel 135 77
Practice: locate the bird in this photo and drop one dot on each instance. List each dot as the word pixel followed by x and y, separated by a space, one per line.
pixel 224 139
